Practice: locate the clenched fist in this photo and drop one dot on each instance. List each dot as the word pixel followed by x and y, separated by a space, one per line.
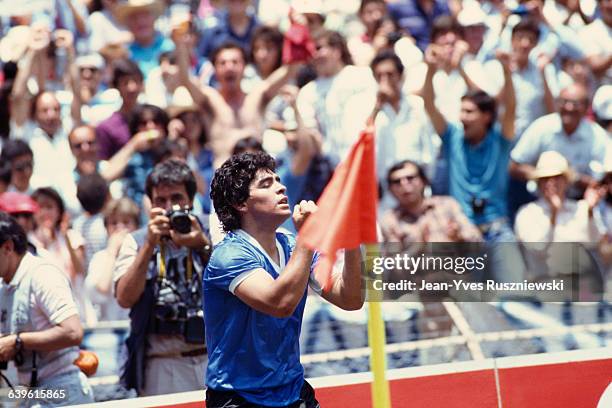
pixel 302 211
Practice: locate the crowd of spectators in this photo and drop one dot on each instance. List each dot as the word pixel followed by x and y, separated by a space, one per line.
pixel 483 109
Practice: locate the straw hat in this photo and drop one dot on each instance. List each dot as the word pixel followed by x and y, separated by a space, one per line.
pixel 125 9
pixel 552 164
pixel 181 102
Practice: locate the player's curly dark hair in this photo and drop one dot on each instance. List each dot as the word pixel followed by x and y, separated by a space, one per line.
pixel 230 185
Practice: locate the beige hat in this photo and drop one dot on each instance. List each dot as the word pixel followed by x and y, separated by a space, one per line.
pixel 15 43
pixel 181 102
pixel 552 164
pixel 124 9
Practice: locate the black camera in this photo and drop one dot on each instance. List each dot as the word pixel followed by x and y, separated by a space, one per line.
pixel 171 316
pixel 179 219
pixel 169 305
pixel 169 311
pixel 194 327
pixel 478 205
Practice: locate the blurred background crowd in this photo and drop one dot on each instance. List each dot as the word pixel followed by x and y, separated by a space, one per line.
pixel 492 117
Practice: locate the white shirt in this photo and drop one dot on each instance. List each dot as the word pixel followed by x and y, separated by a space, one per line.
pixel 322 105
pixel 597 40
pixel 105 304
pixel 156 92
pixel 104 30
pixel 51 302
pixel 573 223
pixel 583 147
pixel 528 88
pixel 53 160
pixel 556 14
pixel 403 135
pixel 449 87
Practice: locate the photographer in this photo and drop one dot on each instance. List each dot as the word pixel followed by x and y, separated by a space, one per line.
pixel 39 323
pixel 158 275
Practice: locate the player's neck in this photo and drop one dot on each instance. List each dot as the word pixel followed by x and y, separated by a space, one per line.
pixel 266 236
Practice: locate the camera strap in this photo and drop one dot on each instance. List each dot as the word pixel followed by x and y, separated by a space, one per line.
pixel 162 263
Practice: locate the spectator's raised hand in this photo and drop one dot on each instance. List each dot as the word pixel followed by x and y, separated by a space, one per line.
pixel 432 56
pixel 183 38
pixel 453 231
pixel 63 39
pixel 297 18
pixel 593 195
pixel 146 139
pixel 64 224
pixel 176 128
pixel 460 49
pixel 543 61
pixel 552 197
pixel 535 8
pixel 505 59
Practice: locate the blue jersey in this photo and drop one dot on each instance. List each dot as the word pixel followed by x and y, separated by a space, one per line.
pixel 251 353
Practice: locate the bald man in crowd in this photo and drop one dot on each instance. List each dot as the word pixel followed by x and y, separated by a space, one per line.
pixel 567 131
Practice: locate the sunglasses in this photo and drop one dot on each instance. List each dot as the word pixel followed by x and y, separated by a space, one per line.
pixel 23 166
pixel 398 180
pixel 27 215
pixel 78 146
pixel 572 103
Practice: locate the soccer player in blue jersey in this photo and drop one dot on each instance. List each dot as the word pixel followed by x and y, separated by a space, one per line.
pixel 255 289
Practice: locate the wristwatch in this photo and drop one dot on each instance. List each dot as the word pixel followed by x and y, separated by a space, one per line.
pixel 18 350
pixel 18 343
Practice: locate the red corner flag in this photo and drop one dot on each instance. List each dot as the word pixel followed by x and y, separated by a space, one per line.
pixel 346 216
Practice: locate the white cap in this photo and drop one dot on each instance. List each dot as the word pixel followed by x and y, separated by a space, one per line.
pixel 602 102
pixel 90 60
pixel 472 15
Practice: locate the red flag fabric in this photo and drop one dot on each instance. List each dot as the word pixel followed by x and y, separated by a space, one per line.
pixel 346 216
pixel 297 45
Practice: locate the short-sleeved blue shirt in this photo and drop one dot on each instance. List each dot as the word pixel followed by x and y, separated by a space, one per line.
pixel 410 17
pixel 147 57
pixel 249 352
pixel 222 32
pixel 478 171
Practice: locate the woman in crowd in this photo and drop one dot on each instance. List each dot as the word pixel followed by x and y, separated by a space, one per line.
pixel 120 218
pixel 64 245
